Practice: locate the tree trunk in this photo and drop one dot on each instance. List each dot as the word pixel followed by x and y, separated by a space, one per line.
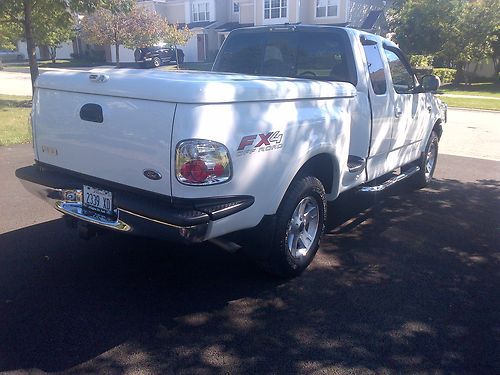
pixel 30 42
pixel 53 53
pixel 176 57
pixel 117 50
pixel 459 76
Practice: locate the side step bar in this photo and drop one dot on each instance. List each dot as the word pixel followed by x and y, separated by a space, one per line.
pixel 400 177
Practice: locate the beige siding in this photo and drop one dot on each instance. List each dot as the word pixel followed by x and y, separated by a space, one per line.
pixel 259 12
pixel 247 12
pixel 308 13
pixel 175 13
pixel 222 10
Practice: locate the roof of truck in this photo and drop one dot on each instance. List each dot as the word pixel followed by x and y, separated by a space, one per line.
pixel 301 26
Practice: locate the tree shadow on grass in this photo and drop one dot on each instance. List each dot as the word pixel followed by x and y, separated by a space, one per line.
pixel 6 104
pixel 404 282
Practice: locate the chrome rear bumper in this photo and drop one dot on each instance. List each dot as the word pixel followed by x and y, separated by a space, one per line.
pixel 69 202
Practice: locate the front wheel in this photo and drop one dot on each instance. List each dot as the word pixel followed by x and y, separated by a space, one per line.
pixel 156 62
pixel 300 222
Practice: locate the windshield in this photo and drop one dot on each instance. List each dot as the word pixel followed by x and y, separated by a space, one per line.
pixel 300 54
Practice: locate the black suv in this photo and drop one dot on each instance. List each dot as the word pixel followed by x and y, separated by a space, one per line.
pixel 156 56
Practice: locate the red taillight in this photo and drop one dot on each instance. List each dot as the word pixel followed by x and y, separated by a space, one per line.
pixel 202 162
pixel 195 171
pixel 218 170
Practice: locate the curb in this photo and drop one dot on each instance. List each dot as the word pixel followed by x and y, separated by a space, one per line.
pixel 473 109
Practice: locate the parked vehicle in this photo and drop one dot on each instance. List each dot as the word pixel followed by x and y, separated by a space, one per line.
pixel 157 55
pixel 248 154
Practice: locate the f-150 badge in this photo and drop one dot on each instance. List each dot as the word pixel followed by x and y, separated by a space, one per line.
pixel 260 143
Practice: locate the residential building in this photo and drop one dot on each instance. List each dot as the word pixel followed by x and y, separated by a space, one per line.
pixel 212 20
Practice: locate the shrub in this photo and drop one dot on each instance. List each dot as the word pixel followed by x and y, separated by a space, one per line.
pixel 420 72
pixel 421 61
pixel 446 75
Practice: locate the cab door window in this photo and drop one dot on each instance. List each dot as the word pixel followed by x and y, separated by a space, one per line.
pixel 376 69
pixel 402 78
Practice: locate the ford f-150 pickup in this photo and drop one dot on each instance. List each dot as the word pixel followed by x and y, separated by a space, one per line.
pixel 290 117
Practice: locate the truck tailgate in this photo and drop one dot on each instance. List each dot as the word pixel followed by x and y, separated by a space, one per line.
pixel 131 136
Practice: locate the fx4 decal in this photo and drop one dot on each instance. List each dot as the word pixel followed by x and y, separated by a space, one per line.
pixel 260 143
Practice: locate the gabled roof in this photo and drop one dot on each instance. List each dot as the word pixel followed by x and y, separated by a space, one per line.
pixel 363 14
pixel 229 26
pixel 371 19
pixel 202 24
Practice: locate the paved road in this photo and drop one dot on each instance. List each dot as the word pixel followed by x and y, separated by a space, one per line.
pixel 405 282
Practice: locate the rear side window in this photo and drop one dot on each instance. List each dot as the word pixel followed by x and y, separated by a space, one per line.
pixel 322 56
pixel 296 54
pixel 376 69
pixel 402 78
pixel 242 54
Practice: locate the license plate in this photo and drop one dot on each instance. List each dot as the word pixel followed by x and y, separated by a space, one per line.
pixel 98 200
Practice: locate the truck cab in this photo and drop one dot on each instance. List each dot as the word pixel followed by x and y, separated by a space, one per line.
pixel 248 154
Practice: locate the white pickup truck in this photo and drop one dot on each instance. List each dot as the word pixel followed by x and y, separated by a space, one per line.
pixel 289 118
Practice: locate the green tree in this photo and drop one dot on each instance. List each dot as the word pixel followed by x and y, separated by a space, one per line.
pixel 32 15
pixel 9 34
pixel 54 29
pixel 422 27
pixel 456 31
pixel 495 45
pixel 475 36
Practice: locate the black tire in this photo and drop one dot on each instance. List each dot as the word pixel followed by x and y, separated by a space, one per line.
pixel 282 261
pixel 156 62
pixel 427 163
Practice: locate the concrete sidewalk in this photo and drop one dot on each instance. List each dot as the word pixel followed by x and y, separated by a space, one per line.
pixel 15 84
pixel 471 133
pixel 19 83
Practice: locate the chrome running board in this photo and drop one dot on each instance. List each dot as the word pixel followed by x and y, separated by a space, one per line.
pixel 394 180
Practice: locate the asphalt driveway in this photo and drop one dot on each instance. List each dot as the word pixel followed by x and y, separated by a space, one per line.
pixel 405 282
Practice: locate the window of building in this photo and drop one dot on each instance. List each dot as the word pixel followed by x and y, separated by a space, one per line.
pixel 201 12
pixel 327 8
pixel 275 9
pixel 376 69
pixel 236 7
pixel 402 78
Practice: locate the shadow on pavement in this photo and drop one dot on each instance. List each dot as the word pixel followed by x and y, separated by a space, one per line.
pixel 405 282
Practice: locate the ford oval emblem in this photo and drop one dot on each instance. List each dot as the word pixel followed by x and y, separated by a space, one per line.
pixel 152 174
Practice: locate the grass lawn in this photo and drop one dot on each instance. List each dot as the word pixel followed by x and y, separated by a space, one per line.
pixel 58 64
pixel 14 115
pixel 476 89
pixel 490 104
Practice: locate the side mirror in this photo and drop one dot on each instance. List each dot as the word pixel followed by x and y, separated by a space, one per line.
pixel 430 83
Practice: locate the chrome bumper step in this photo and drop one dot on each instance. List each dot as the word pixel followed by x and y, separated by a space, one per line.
pixel 393 180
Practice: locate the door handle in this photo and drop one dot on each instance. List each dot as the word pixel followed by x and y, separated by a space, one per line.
pixel 429 108
pixel 398 112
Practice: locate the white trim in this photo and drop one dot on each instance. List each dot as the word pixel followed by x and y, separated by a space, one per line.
pixel 268 21
pixel 208 9
pixel 326 17
pixel 187 11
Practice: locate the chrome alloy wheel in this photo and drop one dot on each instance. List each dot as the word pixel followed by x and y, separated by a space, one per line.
pixel 430 160
pixel 303 227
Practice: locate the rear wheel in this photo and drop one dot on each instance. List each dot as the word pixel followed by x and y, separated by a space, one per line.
pixel 300 222
pixel 427 162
